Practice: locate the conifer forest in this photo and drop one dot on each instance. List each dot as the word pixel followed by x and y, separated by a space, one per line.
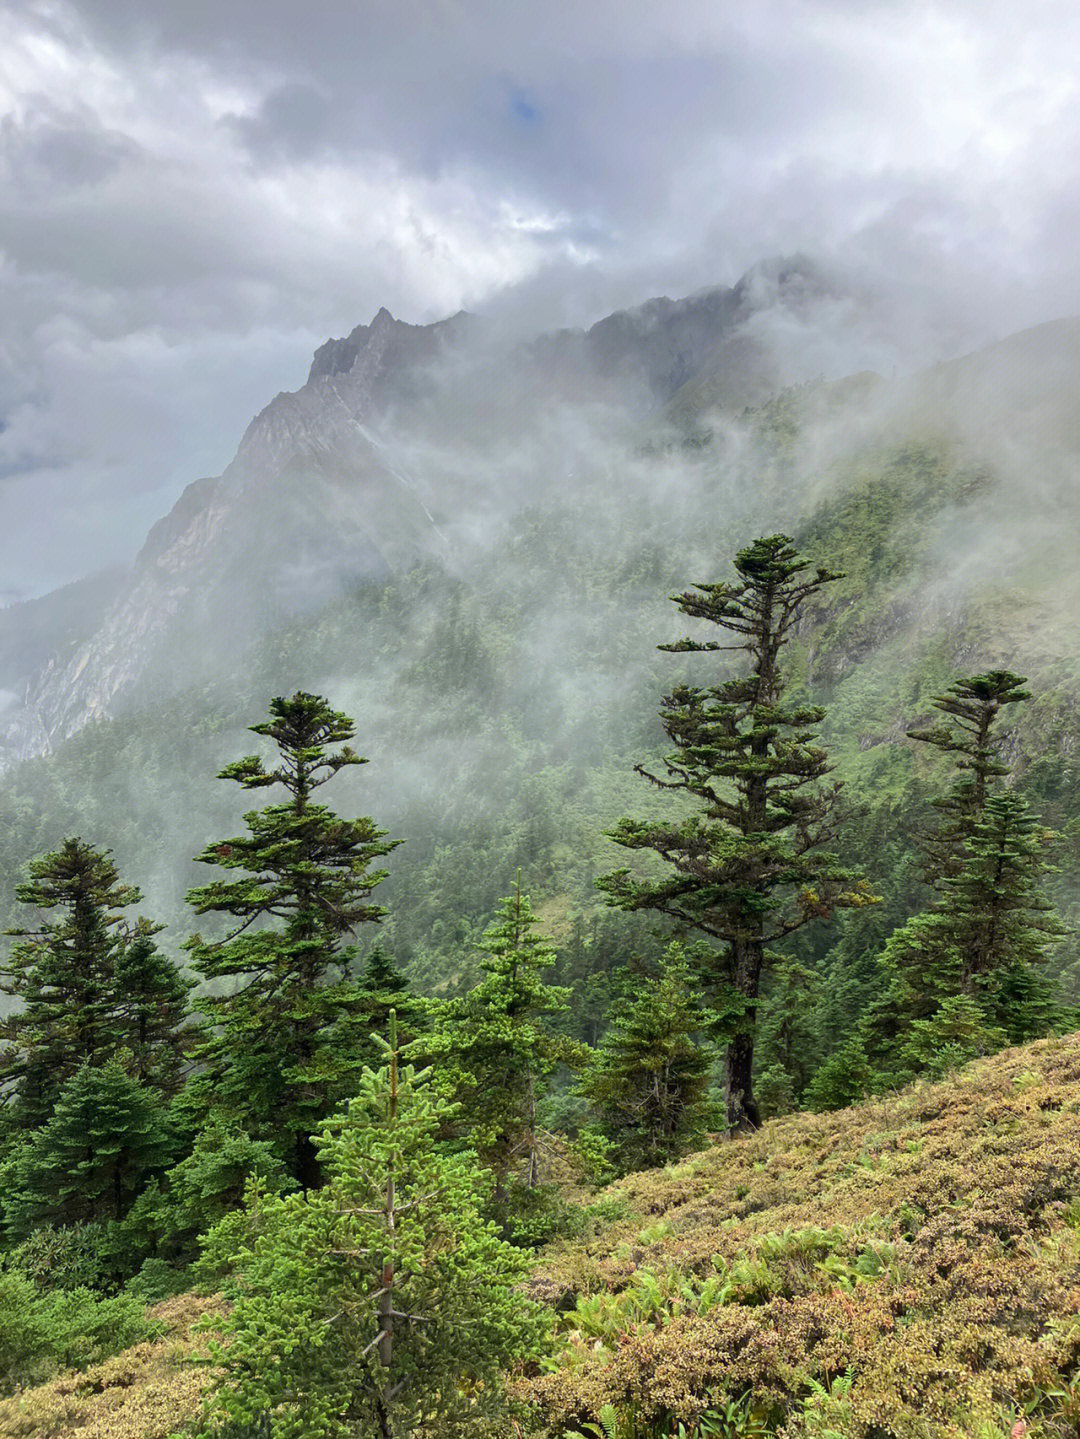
pixel 467 1205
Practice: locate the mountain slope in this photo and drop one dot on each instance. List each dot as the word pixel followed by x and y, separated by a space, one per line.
pixel 905 1269
pixel 909 1267
pixel 407 442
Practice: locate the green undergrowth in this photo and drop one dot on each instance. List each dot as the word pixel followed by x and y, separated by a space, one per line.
pixel 905 1269
pixel 908 1268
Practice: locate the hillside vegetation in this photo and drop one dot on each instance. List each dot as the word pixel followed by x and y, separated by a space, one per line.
pixel 145 1392
pixel 342 1069
pixel 908 1268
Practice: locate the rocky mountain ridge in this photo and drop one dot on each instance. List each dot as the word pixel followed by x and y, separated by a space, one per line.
pixel 317 498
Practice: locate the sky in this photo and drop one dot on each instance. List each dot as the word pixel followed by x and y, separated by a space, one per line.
pixel 195 193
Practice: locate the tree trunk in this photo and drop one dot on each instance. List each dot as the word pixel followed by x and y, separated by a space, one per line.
pixel 742 1110
pixel 386 1294
pixel 306 1168
pixel 531 1107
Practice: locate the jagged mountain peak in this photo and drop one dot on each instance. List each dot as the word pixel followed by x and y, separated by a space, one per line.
pixel 386 339
pixel 375 462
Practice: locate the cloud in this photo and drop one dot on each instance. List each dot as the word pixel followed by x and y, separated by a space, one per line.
pixel 192 196
pixel 292 123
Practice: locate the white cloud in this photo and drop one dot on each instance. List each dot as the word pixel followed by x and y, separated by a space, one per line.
pixel 192 196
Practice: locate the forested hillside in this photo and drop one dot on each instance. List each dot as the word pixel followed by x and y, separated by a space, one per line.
pixel 503 708
pixel 906 1267
pixel 357 945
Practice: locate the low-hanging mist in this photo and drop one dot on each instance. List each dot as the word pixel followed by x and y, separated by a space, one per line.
pixel 467 543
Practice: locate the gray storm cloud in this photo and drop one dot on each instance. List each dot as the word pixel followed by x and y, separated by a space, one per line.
pixel 193 195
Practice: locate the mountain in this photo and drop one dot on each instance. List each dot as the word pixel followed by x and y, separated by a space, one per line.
pixel 367 470
pixel 469 545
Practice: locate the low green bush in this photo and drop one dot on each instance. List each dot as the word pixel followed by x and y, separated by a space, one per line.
pixel 42 1331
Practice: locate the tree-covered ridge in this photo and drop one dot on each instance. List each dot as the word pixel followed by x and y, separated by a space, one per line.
pixel 505 709
pixel 369 1225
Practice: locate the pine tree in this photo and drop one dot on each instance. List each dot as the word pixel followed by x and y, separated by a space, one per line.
pixel 750 867
pixel 986 934
pixel 381 1303
pixel 286 1044
pixel 384 989
pixel 492 1048
pixel 957 1032
pixel 168 1217
pixel 151 1001
pixel 63 975
pixel 1002 922
pixel 973 705
pixel 648 1082
pixel 106 1137
pixel 921 968
pixel 786 1043
pixel 844 1078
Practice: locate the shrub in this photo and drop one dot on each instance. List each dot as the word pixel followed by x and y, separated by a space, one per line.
pixel 62 1257
pixel 41 1332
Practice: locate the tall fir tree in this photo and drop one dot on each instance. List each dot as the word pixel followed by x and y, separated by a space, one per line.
pixel 648 1082
pixel 493 1048
pixel 987 932
pixel 752 865
pixel 972 707
pixel 287 1036
pixel 62 974
pixel 151 1003
pixel 384 989
pixel 1002 920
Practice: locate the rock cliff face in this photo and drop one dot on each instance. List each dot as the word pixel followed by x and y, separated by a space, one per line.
pixel 316 499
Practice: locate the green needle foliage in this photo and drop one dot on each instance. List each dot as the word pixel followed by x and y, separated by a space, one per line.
pixel 987 934
pixel 786 1044
pixel 64 976
pixel 751 866
pixel 168 1217
pixel 151 1001
pixel 1003 922
pixel 492 1049
pixel 107 1136
pixel 384 989
pixel 973 705
pixel 648 1082
pixel 288 1030
pixel 381 1304
pixel 956 1033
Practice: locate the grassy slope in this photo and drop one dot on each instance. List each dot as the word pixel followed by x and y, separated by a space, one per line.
pixel 927 1246
pixel 143 1393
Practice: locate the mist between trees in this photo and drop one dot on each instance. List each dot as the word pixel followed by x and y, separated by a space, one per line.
pixel 699 1011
